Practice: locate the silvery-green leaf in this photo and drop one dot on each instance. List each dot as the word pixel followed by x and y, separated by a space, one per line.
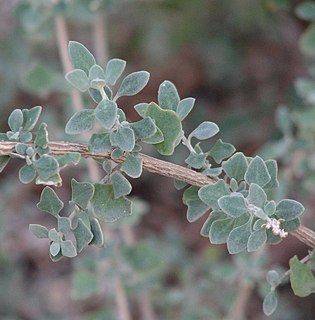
pixel 257 172
pixel 220 230
pixel 81 121
pixel 144 128
pixel 20 148
pixel 288 209
pixel 133 84
pixel 68 249
pixel 27 174
pixel 25 137
pixel 82 234
pixel 270 303
pixel 68 157
pixel 46 166
pixel 99 143
pixel 273 171
pixel 50 202
pixel 257 195
pixel 15 120
pixel 96 72
pixel 196 209
pixel 78 79
pixel 306 10
pixel 125 139
pixel 212 172
pixel 235 167
pixel 106 113
pixel 156 138
pixel 64 224
pixel 114 69
pixel 213 216
pixel 82 193
pixel 121 185
pixel 31 117
pixel 4 160
pixel 273 278
pixel 238 238
pixel 96 229
pixel 221 151
pixel 38 230
pixel 270 208
pixel 196 160
pixel 168 97
pixel 54 248
pixel 132 166
pixel 95 95
pixel 4 137
pixel 141 109
pixel 205 130
pixel 80 56
pixel 291 225
pixel 184 107
pixel 116 153
pixel 41 139
pixel 179 185
pixel 233 205
pixel 53 235
pixel 257 239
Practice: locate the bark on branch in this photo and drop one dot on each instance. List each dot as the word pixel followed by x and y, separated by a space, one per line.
pixel 153 165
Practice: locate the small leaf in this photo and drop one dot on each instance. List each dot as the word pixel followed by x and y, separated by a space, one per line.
pixel 213 216
pixel 141 109
pixel 78 79
pixel 238 238
pixel 257 195
pixel 27 174
pixel 82 234
pixel 179 185
pixel 53 235
pixel 54 248
pixel 97 231
pixel 289 209
pixel 156 138
pixel 273 278
pixel 95 95
pixel 38 231
pixel 64 224
pixel 236 166
pixel 106 113
pixel 49 202
pixel 81 121
pixel 196 209
pixel 170 126
pixel 132 166
pixel 68 157
pixel 133 84
pixel 212 172
pixel 41 139
pixel 205 130
pixel 270 303
pixel 99 143
pixel 291 225
pixel 106 207
pixel 257 172
pixel 4 137
pixel 31 117
pixel 233 205
pixel 301 278
pixel 116 154
pixel 96 72
pixel 121 185
pixel 114 69
pixel 196 160
pixel 68 249
pixel 221 151
pixel 273 171
pixel 25 137
pixel 184 107
pixel 270 208
pixel 15 120
pixel 168 97
pixel 257 239
pixel 220 230
pixel 4 160
pixel 125 139
pixel 46 166
pixel 82 193
pixel 80 56
pixel 211 193
pixel 144 128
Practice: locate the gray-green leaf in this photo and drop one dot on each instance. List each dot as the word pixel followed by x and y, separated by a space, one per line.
pixel 49 202
pixel 31 117
pixel 257 239
pixel 46 166
pixel 114 69
pixel 221 151
pixel 82 193
pixel 15 120
pixel 205 130
pixel 98 236
pixel 99 143
pixel 270 303
pixel 106 113
pixel 38 230
pixel 184 107
pixel 27 174
pixel 132 166
pixel 236 166
pixel 144 128
pixel 81 121
pixel 68 249
pixel 288 209
pixel 41 139
pixel 125 139
pixel 82 234
pixel 168 97
pixel 257 172
pixel 79 79
pixel 220 230
pixel 238 238
pixel 233 205
pixel 121 185
pixel 4 160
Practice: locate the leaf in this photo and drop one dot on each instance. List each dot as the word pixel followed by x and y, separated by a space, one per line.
pixel 270 208
pixel 236 166
pixel 205 130
pixel 144 128
pixel 132 166
pixel 184 107
pixel 212 172
pixel 96 229
pixel 141 109
pixel 273 278
pixel 133 84
pixel 49 202
pixel 106 207
pixel 257 195
pixel 213 216
pixel 273 171
pixel 96 73
pixel 106 113
pixel 95 95
pixel 288 209
pixel 211 193
pixel 221 151
pixel 82 234
pixel 220 230
pixel 25 137
pixel 233 205
pixel 15 120
pixel 196 209
pixel 27 174
pixel 114 69
pixel 125 139
pixel 270 303
pixel 68 157
pixel 46 166
pixel 196 160
pixel 41 139
pixel 257 239
pixel 54 248
pixel 82 193
pixel 168 97
pixel 80 56
pixel 257 172
pixel 31 117
pixel 116 154
pixel 68 249
pixel 238 238
pixel 64 224
pixel 38 231
pixel 4 160
pixel 121 185
pixel 81 121
pixel 170 126
pixel 306 11
pixel 301 278
pixel 99 143
pixel 78 79
pixel 291 225
pixel 156 138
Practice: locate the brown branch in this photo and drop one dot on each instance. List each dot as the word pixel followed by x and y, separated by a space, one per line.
pixel 152 165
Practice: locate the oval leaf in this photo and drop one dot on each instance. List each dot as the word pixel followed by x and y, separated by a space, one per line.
pixel 49 202
pixel 78 79
pixel 168 97
pixel 80 56
pixel 81 121
pixel 106 113
pixel 288 209
pixel 205 130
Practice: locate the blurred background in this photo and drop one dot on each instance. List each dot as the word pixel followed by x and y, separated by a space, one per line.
pixel 243 61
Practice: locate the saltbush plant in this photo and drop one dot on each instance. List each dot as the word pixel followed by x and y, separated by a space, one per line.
pixel 233 189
